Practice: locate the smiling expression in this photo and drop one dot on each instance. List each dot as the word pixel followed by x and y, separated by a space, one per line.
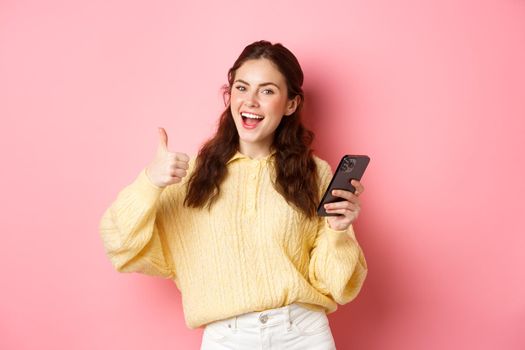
pixel 259 100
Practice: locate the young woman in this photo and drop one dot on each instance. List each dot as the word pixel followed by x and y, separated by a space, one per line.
pixel 236 227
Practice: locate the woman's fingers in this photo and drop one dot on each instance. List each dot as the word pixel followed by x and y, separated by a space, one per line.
pixel 179 165
pixel 359 188
pixel 178 173
pixel 342 205
pixel 349 196
pixel 182 157
pixel 348 209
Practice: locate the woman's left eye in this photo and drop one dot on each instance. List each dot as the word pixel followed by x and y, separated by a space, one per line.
pixel 267 91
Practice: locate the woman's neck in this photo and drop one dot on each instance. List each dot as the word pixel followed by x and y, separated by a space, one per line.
pixel 254 151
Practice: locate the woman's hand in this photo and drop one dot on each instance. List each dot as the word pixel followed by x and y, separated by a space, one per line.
pixel 349 208
pixel 167 167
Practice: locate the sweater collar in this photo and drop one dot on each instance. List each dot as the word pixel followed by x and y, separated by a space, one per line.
pixel 239 155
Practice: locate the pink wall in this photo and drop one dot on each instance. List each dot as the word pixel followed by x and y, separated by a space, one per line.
pixel 433 91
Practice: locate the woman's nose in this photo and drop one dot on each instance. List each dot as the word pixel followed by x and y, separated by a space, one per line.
pixel 251 100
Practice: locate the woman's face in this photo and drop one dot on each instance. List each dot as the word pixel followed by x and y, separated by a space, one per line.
pixel 259 100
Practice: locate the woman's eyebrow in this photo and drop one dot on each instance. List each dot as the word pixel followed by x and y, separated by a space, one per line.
pixel 262 84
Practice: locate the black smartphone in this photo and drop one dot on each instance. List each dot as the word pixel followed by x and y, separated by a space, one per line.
pixel 351 167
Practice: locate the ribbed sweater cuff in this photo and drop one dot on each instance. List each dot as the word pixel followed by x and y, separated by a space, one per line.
pixel 349 232
pixel 147 189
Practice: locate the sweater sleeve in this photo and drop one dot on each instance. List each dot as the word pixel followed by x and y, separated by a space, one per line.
pixel 337 265
pixel 132 229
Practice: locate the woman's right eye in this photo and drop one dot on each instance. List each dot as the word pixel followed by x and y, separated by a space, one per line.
pixel 240 88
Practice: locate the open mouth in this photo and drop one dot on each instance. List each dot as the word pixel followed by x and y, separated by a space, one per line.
pixel 251 120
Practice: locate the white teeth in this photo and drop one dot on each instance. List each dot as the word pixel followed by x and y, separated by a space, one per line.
pixel 251 116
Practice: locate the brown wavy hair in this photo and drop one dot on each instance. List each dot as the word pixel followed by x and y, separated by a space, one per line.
pixel 296 172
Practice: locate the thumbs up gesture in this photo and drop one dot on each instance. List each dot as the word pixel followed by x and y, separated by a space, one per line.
pixel 167 167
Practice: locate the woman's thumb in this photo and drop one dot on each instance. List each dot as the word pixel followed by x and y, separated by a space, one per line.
pixel 163 139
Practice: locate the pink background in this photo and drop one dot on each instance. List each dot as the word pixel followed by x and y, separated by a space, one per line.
pixel 433 91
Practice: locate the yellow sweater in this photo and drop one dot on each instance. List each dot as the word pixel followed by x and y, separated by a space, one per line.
pixel 250 252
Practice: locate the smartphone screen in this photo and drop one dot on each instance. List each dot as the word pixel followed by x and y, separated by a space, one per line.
pixel 351 167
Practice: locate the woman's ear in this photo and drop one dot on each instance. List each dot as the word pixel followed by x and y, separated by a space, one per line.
pixel 226 95
pixel 291 105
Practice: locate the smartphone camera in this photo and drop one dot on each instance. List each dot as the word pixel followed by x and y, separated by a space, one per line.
pixel 348 165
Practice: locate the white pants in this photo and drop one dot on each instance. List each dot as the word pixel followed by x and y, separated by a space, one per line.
pixel 291 327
